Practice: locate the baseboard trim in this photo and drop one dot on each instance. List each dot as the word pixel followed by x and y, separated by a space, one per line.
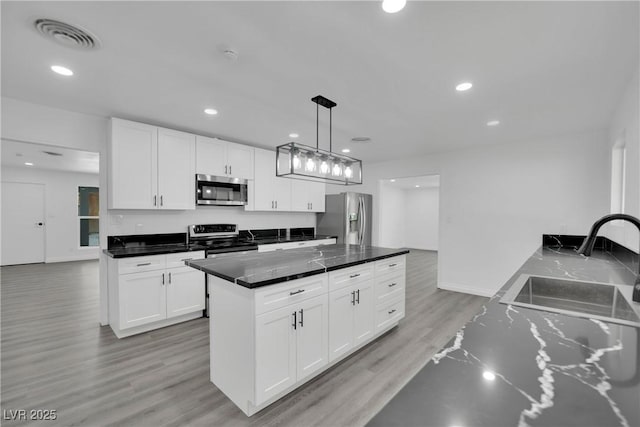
pixel 82 257
pixel 465 289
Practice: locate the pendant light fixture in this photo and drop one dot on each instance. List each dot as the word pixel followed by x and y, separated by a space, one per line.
pixel 299 161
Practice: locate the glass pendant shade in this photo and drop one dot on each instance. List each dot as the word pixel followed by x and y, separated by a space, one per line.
pixel 315 164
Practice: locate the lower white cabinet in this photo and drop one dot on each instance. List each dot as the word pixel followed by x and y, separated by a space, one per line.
pixel 151 292
pixel 267 341
pixel 291 344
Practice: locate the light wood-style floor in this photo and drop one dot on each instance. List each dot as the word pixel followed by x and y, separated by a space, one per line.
pixel 56 356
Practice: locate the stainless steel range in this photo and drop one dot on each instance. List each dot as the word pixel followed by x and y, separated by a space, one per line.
pixel 217 239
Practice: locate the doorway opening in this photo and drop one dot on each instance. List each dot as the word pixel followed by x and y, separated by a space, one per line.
pixel 49 203
pixel 409 212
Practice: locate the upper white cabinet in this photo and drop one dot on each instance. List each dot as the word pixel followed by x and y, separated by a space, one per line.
pixel 270 193
pixel 150 167
pixel 222 158
pixel 307 196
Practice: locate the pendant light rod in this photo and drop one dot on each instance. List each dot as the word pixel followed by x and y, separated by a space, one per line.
pixel 326 103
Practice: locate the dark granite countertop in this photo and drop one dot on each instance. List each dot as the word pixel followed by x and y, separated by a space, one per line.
pixel 160 249
pixel 255 269
pixel 513 366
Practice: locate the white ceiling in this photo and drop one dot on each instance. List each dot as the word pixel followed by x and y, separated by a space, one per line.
pixel 409 183
pixel 541 68
pixel 17 153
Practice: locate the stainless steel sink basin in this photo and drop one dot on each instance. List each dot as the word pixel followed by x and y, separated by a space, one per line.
pixel 592 300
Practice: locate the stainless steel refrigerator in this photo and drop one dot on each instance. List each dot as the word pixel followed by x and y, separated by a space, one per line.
pixel 347 216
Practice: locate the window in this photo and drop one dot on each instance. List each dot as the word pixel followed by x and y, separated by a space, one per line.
pixel 88 211
pixel 618 160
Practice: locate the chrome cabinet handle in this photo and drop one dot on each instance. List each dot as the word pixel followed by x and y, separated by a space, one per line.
pixel 392 265
pixel 353 297
pixel 155 199
pixel 161 201
pixel 276 204
pixel 163 278
pixel 311 205
pixel 302 318
pixel 354 275
pixel 225 170
pixel 392 311
pixel 186 259
pixel 392 285
pixel 144 263
pixel 295 321
pixel 272 204
pixel 299 291
pixel 358 296
pixel 169 278
pixel 230 170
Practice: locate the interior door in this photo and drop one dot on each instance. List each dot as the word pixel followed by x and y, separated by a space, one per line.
pixel 22 223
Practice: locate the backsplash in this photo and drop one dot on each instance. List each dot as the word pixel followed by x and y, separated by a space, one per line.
pixel 122 222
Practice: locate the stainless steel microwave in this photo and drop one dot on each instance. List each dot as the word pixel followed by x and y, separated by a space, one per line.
pixel 220 190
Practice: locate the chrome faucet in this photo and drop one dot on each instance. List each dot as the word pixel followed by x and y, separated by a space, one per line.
pixel 590 241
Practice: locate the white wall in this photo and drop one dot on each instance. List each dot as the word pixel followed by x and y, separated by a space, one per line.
pixel 421 218
pixel 496 202
pixel 625 123
pixel 390 232
pixel 62 232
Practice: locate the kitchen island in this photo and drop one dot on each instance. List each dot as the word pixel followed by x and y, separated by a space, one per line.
pixel 511 365
pixel 280 318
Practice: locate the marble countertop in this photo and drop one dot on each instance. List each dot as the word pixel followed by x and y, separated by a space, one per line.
pixel 513 366
pixel 254 269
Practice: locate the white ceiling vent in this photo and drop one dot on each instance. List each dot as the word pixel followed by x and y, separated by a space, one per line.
pixel 361 139
pixel 66 34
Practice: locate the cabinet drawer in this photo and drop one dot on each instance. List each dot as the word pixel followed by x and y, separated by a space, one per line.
pixel 178 259
pixel 388 314
pixel 348 276
pixel 276 296
pixel 389 287
pixel 139 264
pixel 390 265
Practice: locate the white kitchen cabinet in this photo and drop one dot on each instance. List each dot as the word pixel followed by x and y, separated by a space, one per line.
pixel 351 314
pixel 223 158
pixel 185 291
pixel 270 193
pixel 307 196
pixel 150 167
pixel 142 298
pixel 151 292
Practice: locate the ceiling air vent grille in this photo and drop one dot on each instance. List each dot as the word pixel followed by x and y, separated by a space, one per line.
pixel 66 34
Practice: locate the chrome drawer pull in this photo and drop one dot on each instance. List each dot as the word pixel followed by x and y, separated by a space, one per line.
pixel 392 285
pixel 392 311
pixel 144 263
pixel 354 275
pixel 299 291
pixel 186 259
pixel 392 265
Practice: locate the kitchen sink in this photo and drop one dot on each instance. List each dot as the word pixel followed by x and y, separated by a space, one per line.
pixel 592 300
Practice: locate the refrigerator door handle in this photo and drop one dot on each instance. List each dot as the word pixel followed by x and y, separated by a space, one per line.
pixel 364 220
pixel 361 219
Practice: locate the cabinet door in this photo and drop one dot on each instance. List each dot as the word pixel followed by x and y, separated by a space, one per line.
pixel 275 353
pixel 341 310
pixel 211 156
pixel 185 291
pixel 264 177
pixel 240 160
pixel 300 200
pixel 312 336
pixel 364 313
pixel 176 170
pixel 316 196
pixel 282 193
pixel 133 169
pixel 142 298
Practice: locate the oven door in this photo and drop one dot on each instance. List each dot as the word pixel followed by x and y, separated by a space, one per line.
pixel 218 190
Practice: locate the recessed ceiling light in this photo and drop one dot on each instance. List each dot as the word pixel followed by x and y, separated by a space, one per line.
pixel 392 180
pixel 464 86
pixel 28 163
pixel 293 135
pixel 210 111
pixel 493 123
pixel 417 186
pixel 63 71
pixel 346 150
pixel 393 6
pixel 488 375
